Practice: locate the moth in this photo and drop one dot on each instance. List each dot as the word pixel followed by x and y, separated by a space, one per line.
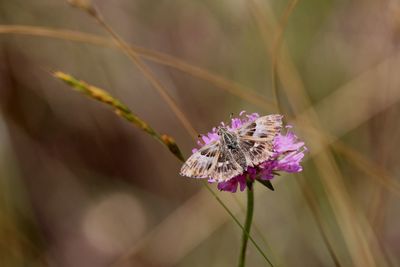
pixel 235 150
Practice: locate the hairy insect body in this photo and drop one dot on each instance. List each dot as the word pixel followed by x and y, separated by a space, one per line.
pixel 230 141
pixel 239 157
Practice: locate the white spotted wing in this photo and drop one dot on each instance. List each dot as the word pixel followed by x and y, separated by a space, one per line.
pixel 211 161
pixel 256 138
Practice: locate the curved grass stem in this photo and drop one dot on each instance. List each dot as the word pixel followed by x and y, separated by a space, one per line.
pixel 247 224
pixel 147 73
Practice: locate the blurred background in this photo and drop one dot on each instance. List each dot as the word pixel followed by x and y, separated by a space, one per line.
pixel 79 186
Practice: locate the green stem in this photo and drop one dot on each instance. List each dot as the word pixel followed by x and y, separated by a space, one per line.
pixel 247 225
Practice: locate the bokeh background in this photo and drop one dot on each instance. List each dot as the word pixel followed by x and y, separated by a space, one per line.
pixel 79 186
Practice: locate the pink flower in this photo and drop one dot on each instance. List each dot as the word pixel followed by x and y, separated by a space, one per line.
pixel 288 154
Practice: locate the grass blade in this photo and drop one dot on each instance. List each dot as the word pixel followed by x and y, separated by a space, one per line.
pixel 120 109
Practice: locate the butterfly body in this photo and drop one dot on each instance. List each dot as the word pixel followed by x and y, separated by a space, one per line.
pixel 234 150
pixel 229 141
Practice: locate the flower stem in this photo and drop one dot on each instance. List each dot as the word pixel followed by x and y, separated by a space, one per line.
pixel 247 225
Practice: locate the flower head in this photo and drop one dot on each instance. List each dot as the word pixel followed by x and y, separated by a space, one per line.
pixel 288 152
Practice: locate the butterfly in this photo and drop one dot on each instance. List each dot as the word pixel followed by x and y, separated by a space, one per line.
pixel 235 150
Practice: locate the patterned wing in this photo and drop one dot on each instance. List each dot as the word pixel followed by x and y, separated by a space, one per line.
pixel 266 128
pixel 226 167
pixel 211 161
pixel 256 138
pixel 201 163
